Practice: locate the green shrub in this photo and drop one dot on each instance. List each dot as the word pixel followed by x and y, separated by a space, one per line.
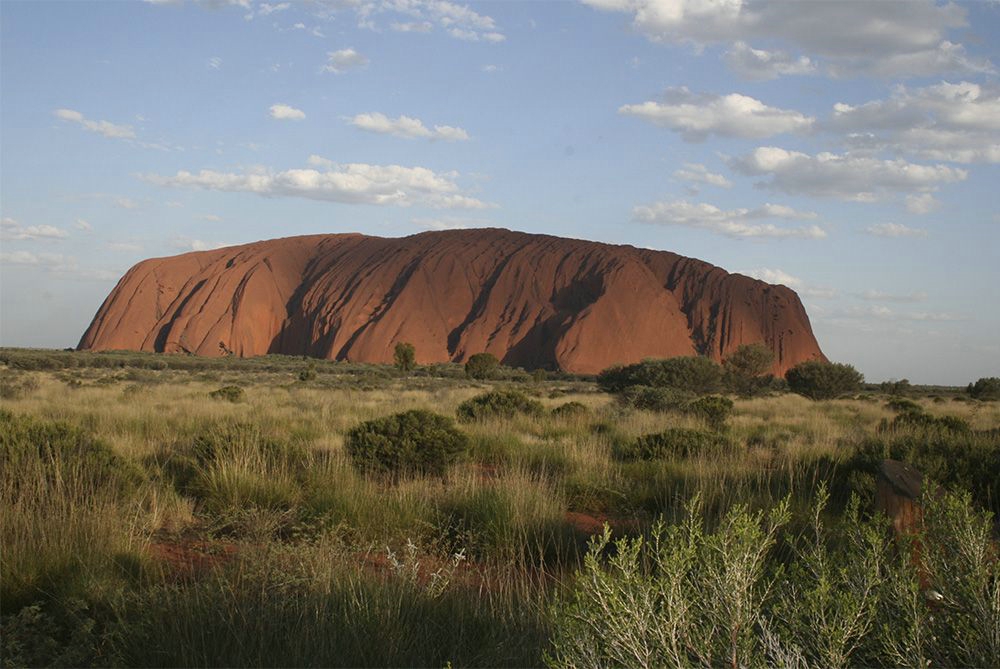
pixel 895 388
pixel 819 380
pixel 409 443
pixel 676 442
pixel 747 367
pixel 693 374
pixel 64 451
pixel 498 404
pixel 713 409
pixel 14 385
pixel 648 398
pixel 404 356
pixel 309 373
pixel 571 410
pixel 921 420
pixel 481 366
pixel 986 388
pixel 901 405
pixel 228 393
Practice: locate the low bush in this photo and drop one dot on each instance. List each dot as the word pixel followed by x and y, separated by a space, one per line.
pixel 571 410
pixel 675 442
pixel 693 374
pixel 228 393
pixel 648 398
pixel 409 443
pixel 62 451
pixel 713 409
pixel 900 405
pixel 498 404
pixel 14 385
pixel 920 420
pixel 819 380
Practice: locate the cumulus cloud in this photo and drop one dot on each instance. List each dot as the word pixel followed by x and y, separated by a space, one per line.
pixel 880 38
pixel 696 116
pixel 954 122
pixel 844 176
pixel 188 244
pixel 737 223
pixel 342 60
pixel 284 112
pixel 82 224
pixel 411 26
pixel 29 258
pixel 406 127
pixel 450 223
pixel 894 230
pixel 760 65
pixel 352 183
pixel 921 204
pixel 105 128
pixel 214 63
pixel 779 276
pixel 698 173
pixel 10 229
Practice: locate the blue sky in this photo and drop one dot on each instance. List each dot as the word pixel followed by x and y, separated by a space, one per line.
pixel 848 150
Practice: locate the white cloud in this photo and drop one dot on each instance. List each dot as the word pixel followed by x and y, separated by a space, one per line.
pixel 954 122
pixel 105 128
pixel 411 26
pixel 696 116
pixel 212 218
pixel 883 313
pixel 352 183
pixel 490 69
pixel 266 9
pixel 29 258
pixel 214 63
pixel 759 65
pixel 848 177
pixel 125 203
pixel 881 296
pixel 406 127
pixel 82 224
pixel 894 230
pixel 188 244
pixel 342 60
pixel 10 229
pixel 880 38
pixel 127 247
pixel 779 276
pixel 698 173
pixel 285 112
pixel 450 223
pixel 737 223
pixel 923 203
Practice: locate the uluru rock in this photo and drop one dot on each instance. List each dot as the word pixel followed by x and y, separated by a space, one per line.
pixel 531 300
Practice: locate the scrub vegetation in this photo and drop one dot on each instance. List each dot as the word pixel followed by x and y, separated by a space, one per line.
pixel 337 514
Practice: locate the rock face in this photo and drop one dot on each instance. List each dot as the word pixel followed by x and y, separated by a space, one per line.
pixel 531 300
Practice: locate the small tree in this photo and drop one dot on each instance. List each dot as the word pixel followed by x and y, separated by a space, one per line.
pixel 819 380
pixel 481 366
pixel 746 366
pixel 986 388
pixel 405 356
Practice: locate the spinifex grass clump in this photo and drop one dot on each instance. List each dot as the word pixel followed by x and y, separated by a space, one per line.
pixel 498 404
pixel 410 443
pixel 228 393
pixel 68 507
